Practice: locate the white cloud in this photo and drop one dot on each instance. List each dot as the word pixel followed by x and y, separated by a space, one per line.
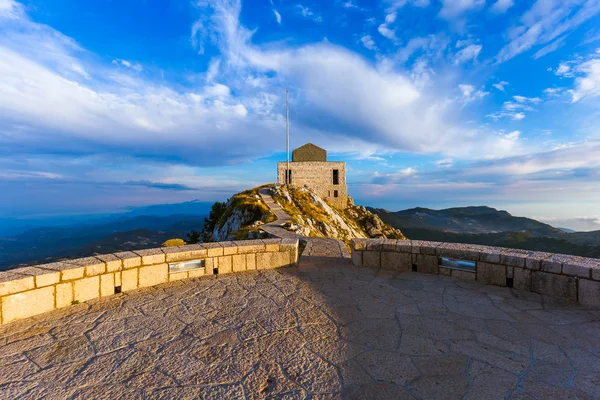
pixel 452 9
pixel 308 13
pixel 468 53
pixel 525 100
pixel 516 116
pixel 368 42
pixel 277 16
pixel 587 85
pixel 445 163
pixel 433 46
pixel 545 21
pixel 558 43
pixel 470 93
pixel 10 9
pixel 501 6
pixel 500 85
pixel 553 92
pixel 129 64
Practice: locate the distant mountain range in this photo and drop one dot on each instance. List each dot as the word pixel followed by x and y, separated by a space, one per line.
pixel 488 226
pixel 72 237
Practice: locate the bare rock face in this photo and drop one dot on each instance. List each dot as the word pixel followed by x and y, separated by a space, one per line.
pixel 313 216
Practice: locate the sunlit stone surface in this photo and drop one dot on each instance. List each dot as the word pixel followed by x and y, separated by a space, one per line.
pixel 325 329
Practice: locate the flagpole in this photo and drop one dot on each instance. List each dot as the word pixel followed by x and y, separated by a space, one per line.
pixel 287 138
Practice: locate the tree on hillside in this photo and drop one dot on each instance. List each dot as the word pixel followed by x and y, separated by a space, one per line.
pixel 216 212
pixel 193 237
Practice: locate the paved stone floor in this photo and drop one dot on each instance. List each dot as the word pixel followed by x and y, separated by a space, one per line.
pixel 323 330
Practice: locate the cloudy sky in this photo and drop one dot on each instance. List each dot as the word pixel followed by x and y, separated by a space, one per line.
pixel 434 103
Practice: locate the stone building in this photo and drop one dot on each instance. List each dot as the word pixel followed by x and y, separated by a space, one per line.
pixel 309 166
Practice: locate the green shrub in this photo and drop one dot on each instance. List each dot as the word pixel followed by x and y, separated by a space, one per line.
pixel 174 242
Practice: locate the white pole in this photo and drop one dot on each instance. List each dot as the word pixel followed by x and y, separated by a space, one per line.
pixel 287 138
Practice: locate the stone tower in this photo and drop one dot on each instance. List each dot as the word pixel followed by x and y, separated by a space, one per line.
pixel 309 166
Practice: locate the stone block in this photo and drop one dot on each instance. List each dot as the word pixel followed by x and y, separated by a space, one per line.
pixel 415 247
pixel 213 249
pixel 357 257
pixel 514 257
pixel 272 244
pixel 151 256
pixel 535 258
pixel 209 265
pixel 371 259
pixel 107 285
pixel 445 271
pixel 86 288
pixel 250 262
pixel 272 260
pixel 13 283
pixel 153 275
pixel 118 278
pixel 427 264
pixel 522 279
pixel 510 272
pixel 224 264
pixel 129 279
pixel 491 254
pixel 113 263
pixel 464 275
pixel 250 246
pixel 229 248
pixel 389 245
pixel 93 266
pixel 42 277
pixel 27 304
pixel 491 274
pixel 404 246
pixel 185 253
pixel 375 244
pixel 198 272
pixel 238 262
pixel 429 248
pixel 359 244
pixel 129 259
pixel 581 267
pixel 555 262
pixel 589 292
pixel 64 294
pixel 178 276
pixel 458 251
pixel 564 287
pixel 396 261
pixel 67 270
pixel 596 274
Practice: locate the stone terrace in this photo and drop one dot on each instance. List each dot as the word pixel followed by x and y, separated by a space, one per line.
pixel 324 329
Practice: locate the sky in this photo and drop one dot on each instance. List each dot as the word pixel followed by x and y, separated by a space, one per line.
pixel 432 103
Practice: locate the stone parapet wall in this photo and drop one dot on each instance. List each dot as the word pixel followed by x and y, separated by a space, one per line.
pixel 558 275
pixel 28 291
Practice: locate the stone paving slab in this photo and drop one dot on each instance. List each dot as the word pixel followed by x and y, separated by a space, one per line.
pixel 322 330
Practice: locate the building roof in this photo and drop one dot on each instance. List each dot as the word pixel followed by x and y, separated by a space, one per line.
pixel 309 152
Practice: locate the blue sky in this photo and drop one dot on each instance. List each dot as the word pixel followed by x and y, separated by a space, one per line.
pixel 434 103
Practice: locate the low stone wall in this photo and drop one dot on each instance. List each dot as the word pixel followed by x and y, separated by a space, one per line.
pixel 558 275
pixel 29 291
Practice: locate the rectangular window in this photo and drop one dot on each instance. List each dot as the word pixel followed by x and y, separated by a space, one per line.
pixel 288 176
pixel 329 193
pixel 336 177
pixel 335 193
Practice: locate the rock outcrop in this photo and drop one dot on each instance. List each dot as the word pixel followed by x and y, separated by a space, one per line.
pixel 313 216
pixel 244 213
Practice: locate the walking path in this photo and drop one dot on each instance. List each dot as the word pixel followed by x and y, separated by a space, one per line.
pixel 315 247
